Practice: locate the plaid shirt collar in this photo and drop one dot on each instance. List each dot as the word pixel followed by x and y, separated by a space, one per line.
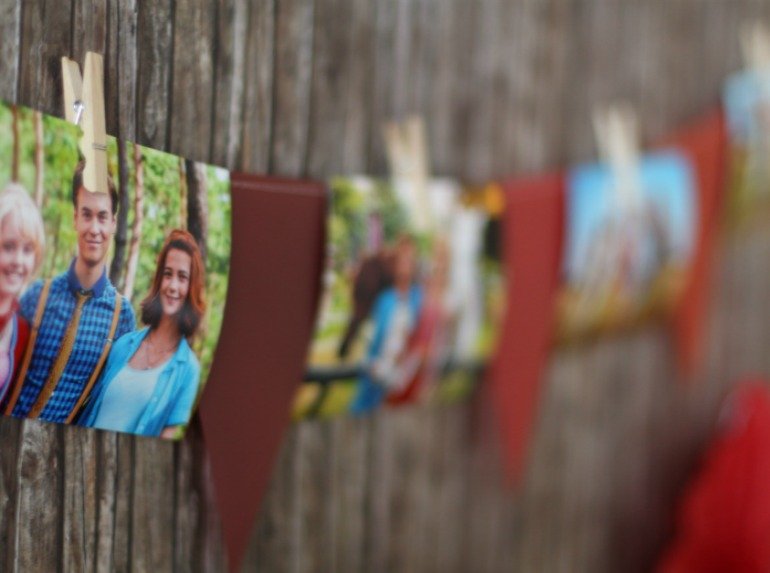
pixel 75 286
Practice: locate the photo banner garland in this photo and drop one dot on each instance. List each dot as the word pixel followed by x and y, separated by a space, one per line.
pixel 274 273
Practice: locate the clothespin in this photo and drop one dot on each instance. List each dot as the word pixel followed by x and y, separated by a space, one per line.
pixel 407 150
pixel 616 128
pixel 755 46
pixel 84 106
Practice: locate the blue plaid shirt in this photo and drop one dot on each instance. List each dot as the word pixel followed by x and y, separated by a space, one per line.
pixel 93 329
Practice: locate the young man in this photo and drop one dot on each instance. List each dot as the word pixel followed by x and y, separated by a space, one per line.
pixel 78 314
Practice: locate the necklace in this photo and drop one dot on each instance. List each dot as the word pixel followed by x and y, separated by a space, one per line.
pixel 151 361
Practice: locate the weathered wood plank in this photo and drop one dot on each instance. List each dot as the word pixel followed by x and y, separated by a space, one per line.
pixel 155 45
pixel 229 81
pixel 10 32
pixel 292 80
pixel 258 100
pixel 81 508
pixel 120 69
pixel 152 510
pixel 39 499
pixel 10 435
pixel 45 38
pixel 191 111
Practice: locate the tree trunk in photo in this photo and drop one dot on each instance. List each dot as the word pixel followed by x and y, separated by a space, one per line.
pixel 136 230
pixel 16 144
pixel 197 204
pixel 39 160
pixel 121 231
pixel 182 194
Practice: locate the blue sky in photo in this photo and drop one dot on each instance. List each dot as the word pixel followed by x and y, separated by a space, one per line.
pixel 666 179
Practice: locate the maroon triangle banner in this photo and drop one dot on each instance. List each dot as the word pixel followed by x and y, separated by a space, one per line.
pixel 532 243
pixel 278 229
pixel 705 144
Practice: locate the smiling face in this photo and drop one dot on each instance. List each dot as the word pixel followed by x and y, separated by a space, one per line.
pixel 94 225
pixel 175 283
pixel 17 258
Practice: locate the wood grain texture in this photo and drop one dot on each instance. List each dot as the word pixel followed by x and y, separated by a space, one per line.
pixel 303 86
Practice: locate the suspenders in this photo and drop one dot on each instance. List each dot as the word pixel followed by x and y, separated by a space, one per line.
pixel 39 311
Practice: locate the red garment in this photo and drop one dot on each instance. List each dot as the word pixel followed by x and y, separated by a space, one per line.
pixel 724 522
pixel 22 337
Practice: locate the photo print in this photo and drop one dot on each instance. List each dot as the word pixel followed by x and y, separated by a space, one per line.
pixel 411 301
pixel 747 107
pixel 110 303
pixel 628 249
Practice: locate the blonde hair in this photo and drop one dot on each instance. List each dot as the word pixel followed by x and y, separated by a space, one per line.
pixel 15 202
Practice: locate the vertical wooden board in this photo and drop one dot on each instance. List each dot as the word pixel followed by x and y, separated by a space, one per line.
pixel 411 498
pixel 186 507
pixel 439 91
pixel 45 38
pixel 191 108
pixel 332 58
pixel 210 550
pixel 10 40
pixel 350 436
pixel 152 517
pixel 444 552
pixel 106 500
pixel 80 503
pixel 89 29
pixel 258 98
pixel 291 89
pixel 39 499
pixel 314 534
pixel 466 42
pixel 360 78
pixel 383 62
pixel 275 544
pixel 155 54
pixel 483 76
pixel 120 69
pixel 123 512
pixel 230 41
pixel 10 434
pixel 377 509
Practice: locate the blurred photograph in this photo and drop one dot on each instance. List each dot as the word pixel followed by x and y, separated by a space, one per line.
pixel 408 313
pixel 627 251
pixel 747 106
pixel 107 297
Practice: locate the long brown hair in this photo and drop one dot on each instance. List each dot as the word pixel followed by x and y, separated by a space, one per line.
pixel 188 319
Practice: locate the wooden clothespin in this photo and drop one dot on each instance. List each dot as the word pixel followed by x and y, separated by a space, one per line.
pixel 616 128
pixel 755 46
pixel 84 106
pixel 407 150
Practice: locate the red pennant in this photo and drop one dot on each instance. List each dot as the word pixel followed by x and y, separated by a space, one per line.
pixel 705 143
pixel 724 520
pixel 278 231
pixel 533 232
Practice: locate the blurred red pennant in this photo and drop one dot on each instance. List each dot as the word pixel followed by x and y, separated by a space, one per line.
pixel 278 229
pixel 705 143
pixel 532 235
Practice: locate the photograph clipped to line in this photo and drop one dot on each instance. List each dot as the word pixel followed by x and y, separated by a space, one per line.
pixel 747 107
pixel 111 301
pixel 628 248
pixel 404 314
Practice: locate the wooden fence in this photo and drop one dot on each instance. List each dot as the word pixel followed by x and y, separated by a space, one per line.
pixel 300 87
